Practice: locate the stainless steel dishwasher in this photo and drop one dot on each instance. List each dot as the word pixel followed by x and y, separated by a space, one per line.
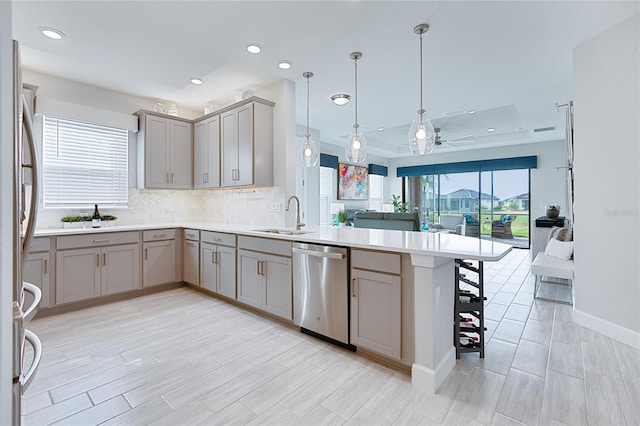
pixel 321 292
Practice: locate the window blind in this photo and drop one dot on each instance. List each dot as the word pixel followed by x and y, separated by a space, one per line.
pixel 84 164
pixel 513 163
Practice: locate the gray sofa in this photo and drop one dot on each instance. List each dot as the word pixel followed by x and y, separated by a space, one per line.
pixel 394 221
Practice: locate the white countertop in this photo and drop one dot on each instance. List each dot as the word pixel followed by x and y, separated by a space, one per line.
pixel 424 243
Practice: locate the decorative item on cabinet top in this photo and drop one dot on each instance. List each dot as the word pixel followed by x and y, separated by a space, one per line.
pixel 215 109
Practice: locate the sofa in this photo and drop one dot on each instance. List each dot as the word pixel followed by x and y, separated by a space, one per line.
pixel 449 223
pixel 380 220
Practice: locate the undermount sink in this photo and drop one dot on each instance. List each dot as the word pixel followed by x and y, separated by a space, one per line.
pixel 282 231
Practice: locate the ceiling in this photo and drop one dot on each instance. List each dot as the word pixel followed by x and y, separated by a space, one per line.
pixel 510 61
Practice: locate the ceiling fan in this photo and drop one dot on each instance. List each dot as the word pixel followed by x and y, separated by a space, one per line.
pixel 441 142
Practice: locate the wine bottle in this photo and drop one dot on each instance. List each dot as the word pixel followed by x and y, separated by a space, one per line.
pixel 95 219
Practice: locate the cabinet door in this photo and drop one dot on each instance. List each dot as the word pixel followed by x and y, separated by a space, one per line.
pixel 191 262
pixel 77 275
pixel 36 272
pixel 120 271
pixel 159 263
pixel 209 271
pixel 250 278
pixel 376 312
pixel 244 176
pixel 181 155
pixel 229 148
pixel 278 289
pixel 227 271
pixel 157 158
pixel 207 154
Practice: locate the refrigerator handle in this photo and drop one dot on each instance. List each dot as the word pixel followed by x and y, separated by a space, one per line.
pixel 33 308
pixel 31 337
pixel 33 211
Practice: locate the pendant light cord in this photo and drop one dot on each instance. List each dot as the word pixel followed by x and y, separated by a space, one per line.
pixel 308 107
pixel 421 110
pixel 355 61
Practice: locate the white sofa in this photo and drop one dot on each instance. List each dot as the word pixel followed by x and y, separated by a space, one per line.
pixel 549 266
pixel 449 223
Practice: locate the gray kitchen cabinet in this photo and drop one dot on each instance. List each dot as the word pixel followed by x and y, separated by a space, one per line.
pixel 218 263
pixel 89 266
pixel 159 259
pixel 376 302
pixel 191 257
pixel 265 280
pixel 246 140
pixel 165 151
pixel 37 269
pixel 206 141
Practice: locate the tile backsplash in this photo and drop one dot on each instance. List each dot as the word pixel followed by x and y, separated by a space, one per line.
pixel 250 206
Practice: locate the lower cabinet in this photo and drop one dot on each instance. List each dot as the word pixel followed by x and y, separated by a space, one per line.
pixel 191 262
pixel 265 282
pixel 376 304
pixel 159 257
pixel 218 271
pixel 36 271
pixel 92 272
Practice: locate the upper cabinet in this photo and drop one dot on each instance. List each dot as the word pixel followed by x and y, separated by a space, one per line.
pixel 206 159
pixel 164 151
pixel 231 147
pixel 246 139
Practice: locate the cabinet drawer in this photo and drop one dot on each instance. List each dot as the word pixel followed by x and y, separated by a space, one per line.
pixel 192 234
pixel 376 261
pixel 219 238
pixel 95 240
pixel 265 245
pixel 40 244
pixel 159 234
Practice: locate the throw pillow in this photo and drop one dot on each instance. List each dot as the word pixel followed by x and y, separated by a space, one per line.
pixel 468 218
pixel 506 218
pixel 562 234
pixel 559 249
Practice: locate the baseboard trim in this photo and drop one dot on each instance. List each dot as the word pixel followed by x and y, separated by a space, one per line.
pixel 616 332
pixel 430 380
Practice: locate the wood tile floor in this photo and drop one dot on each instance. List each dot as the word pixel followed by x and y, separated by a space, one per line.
pixel 182 358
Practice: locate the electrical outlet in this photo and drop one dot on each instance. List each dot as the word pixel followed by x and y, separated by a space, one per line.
pixel 437 296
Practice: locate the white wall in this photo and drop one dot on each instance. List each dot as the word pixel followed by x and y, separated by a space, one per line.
pixel 548 184
pixel 251 206
pixel 6 212
pixel 607 182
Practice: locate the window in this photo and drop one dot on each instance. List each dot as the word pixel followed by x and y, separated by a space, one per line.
pixel 84 164
pixel 327 185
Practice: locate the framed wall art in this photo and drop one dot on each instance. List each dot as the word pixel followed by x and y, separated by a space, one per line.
pixel 353 182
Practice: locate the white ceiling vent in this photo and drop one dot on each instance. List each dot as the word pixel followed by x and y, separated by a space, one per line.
pixel 453 113
pixel 544 129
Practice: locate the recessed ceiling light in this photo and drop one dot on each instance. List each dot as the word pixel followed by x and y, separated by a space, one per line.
pixel 340 99
pixel 197 81
pixel 284 65
pixel 471 111
pixel 491 129
pixel 254 48
pixel 381 129
pixel 52 33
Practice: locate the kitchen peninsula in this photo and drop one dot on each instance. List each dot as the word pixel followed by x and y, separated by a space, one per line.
pixel 426 259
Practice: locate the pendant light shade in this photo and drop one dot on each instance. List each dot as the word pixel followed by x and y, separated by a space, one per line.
pixel 356 147
pixel 308 152
pixel 421 133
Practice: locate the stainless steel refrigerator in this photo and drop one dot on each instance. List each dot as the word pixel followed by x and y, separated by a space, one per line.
pixel 26 296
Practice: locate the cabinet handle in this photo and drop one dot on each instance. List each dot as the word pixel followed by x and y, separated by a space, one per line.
pixel 97 260
pixel 45 266
pixel 191 243
pixel 167 178
pixel 264 267
pixel 217 258
pixel 159 235
pixel 145 254
pixel 217 240
pixel 171 177
pixel 259 262
pixel 101 240
pixel 213 257
pixel 353 287
pixel 205 178
pixel 104 259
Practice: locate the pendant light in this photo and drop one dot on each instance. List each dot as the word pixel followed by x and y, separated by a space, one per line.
pixel 356 148
pixel 309 151
pixel 421 133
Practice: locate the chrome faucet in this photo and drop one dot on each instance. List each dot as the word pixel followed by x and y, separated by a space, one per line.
pixel 298 223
